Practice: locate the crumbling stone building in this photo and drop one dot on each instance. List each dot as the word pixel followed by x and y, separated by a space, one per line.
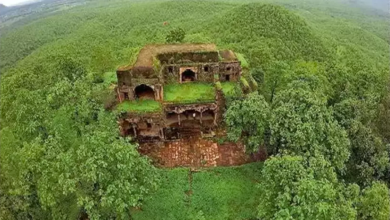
pixel 173 91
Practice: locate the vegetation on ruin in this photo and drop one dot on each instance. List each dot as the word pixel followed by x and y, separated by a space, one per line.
pixel 241 58
pixel 191 92
pixel 321 111
pixel 142 106
pixel 244 84
pixel 231 89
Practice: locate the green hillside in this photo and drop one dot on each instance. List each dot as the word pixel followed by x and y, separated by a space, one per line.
pixel 278 32
pixel 321 112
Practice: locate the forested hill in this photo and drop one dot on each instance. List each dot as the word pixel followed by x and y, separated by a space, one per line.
pixel 280 34
pixel 322 109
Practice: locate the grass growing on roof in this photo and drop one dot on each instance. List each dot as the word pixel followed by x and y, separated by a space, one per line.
pixel 230 89
pixel 139 106
pixel 189 92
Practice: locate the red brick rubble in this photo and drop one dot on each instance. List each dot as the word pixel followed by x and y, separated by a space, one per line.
pixel 198 152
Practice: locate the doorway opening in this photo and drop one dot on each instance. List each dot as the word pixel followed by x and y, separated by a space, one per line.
pixel 188 76
pixel 143 92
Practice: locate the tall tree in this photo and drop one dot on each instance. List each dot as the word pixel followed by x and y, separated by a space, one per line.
pixel 74 161
pixel 301 124
pixel 175 36
pixel 275 78
pixel 247 120
pixel 369 154
pixel 297 188
pixel 374 202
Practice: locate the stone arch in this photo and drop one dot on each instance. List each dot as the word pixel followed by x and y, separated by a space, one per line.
pixel 143 92
pixel 188 76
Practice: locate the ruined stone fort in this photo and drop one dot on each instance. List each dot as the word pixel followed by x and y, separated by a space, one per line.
pixel 174 91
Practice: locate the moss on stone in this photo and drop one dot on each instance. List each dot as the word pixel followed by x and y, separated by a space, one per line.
pixel 241 58
pixel 139 106
pixel 192 92
pixel 231 89
pixel 245 84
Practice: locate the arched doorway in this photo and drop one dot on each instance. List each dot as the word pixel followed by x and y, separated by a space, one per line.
pixel 188 76
pixel 144 92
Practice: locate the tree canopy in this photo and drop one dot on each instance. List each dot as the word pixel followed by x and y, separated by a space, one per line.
pixel 62 149
pixel 176 36
pixel 302 124
pixel 296 188
pixel 247 120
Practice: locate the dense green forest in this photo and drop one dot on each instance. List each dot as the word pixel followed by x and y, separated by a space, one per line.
pixel 322 113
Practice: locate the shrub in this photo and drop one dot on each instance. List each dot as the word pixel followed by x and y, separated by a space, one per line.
pixel 175 36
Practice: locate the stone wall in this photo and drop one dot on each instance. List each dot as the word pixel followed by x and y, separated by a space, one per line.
pixel 171 73
pixel 192 57
pixel 139 81
pixel 229 71
pixel 124 77
pixel 143 72
pixel 124 92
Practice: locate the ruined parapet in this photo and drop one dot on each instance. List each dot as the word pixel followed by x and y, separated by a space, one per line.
pixel 186 57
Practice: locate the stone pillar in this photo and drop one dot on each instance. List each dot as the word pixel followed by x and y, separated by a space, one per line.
pixel 162 93
pixel 215 118
pixel 156 95
pixel 131 93
pixel 134 130
pixel 120 95
pixel 162 133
